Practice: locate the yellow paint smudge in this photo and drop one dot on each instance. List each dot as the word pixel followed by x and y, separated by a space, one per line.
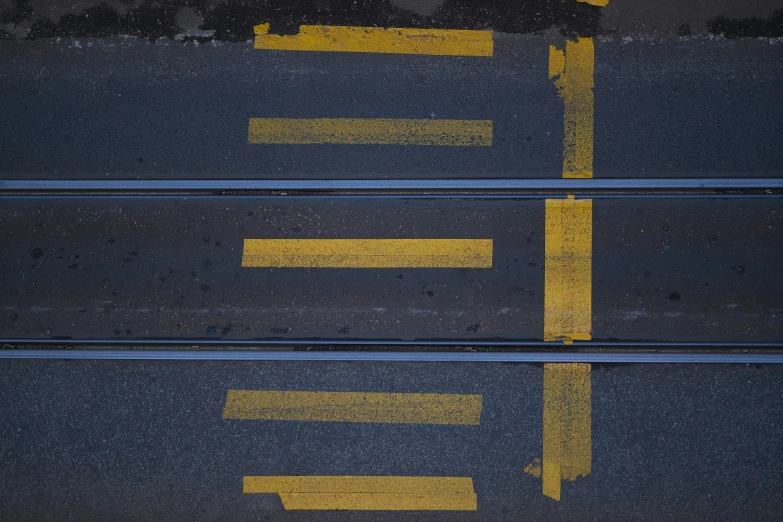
pixel 597 3
pixel 367 493
pixel 534 468
pixel 568 265
pixel 573 72
pixel 441 42
pixel 405 408
pixel 368 253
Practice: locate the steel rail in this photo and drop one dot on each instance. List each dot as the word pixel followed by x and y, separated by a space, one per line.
pixel 394 184
pixel 462 343
pixel 475 357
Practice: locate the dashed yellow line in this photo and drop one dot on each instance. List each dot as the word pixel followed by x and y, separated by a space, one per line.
pixel 597 3
pixel 442 42
pixel 568 270
pixel 404 408
pixel 567 425
pixel 368 253
pixel 372 131
pixel 573 72
pixel 368 493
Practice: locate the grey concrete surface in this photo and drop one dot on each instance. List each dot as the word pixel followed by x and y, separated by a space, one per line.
pixel 146 441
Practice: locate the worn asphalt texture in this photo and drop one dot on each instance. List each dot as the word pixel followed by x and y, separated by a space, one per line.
pixel 110 440
pixel 126 90
pixel 136 89
pixel 677 269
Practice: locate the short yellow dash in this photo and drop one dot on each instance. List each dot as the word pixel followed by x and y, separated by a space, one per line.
pixel 368 253
pixel 368 493
pixel 402 408
pixel 568 442
pixel 442 42
pixel 597 3
pixel 372 131
pixel 568 267
pixel 574 71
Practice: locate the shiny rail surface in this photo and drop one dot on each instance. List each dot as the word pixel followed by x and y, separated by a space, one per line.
pixel 505 357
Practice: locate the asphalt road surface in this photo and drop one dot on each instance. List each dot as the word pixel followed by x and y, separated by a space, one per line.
pixel 103 440
pixel 671 269
pixel 97 91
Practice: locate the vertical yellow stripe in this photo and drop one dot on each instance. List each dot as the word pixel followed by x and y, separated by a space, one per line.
pixel 440 42
pixel 568 441
pixel 401 408
pixel 574 73
pixel 568 266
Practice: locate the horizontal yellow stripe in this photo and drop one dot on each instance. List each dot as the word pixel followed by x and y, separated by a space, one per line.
pixel 367 493
pixel 443 42
pixel 368 253
pixel 568 269
pixel 372 131
pixel 405 408
pixel 357 484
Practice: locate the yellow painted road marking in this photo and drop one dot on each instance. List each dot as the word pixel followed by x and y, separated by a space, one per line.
pixel 368 253
pixel 373 131
pixel 368 493
pixel 442 42
pixel 568 266
pixel 574 72
pixel 568 444
pixel 404 408
pixel 597 3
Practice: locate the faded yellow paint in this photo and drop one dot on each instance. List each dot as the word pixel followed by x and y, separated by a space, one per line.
pixel 556 61
pixel 573 73
pixel 404 408
pixel 534 468
pixel 368 253
pixel 372 131
pixel 568 444
pixel 367 493
pixel 568 266
pixel 441 42
pixel 597 3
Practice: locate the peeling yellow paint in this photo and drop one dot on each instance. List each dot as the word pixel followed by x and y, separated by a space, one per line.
pixel 568 267
pixel 373 131
pixel 404 408
pixel 368 253
pixel 573 72
pixel 534 468
pixel 568 444
pixel 367 493
pixel 441 42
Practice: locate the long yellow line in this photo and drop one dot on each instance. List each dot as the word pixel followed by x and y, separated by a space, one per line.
pixel 368 253
pixel 404 408
pixel 573 72
pixel 373 131
pixel 442 42
pixel 567 425
pixel 367 493
pixel 568 270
